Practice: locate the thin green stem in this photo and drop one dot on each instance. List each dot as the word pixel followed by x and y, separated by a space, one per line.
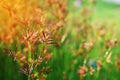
pixel 29 52
pixel 29 57
pixel 28 77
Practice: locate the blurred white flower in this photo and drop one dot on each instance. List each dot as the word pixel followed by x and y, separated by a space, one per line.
pixel 77 3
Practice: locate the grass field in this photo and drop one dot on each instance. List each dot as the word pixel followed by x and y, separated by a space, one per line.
pixel 81 47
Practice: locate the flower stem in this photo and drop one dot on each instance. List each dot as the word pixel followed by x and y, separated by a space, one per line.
pixel 29 52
